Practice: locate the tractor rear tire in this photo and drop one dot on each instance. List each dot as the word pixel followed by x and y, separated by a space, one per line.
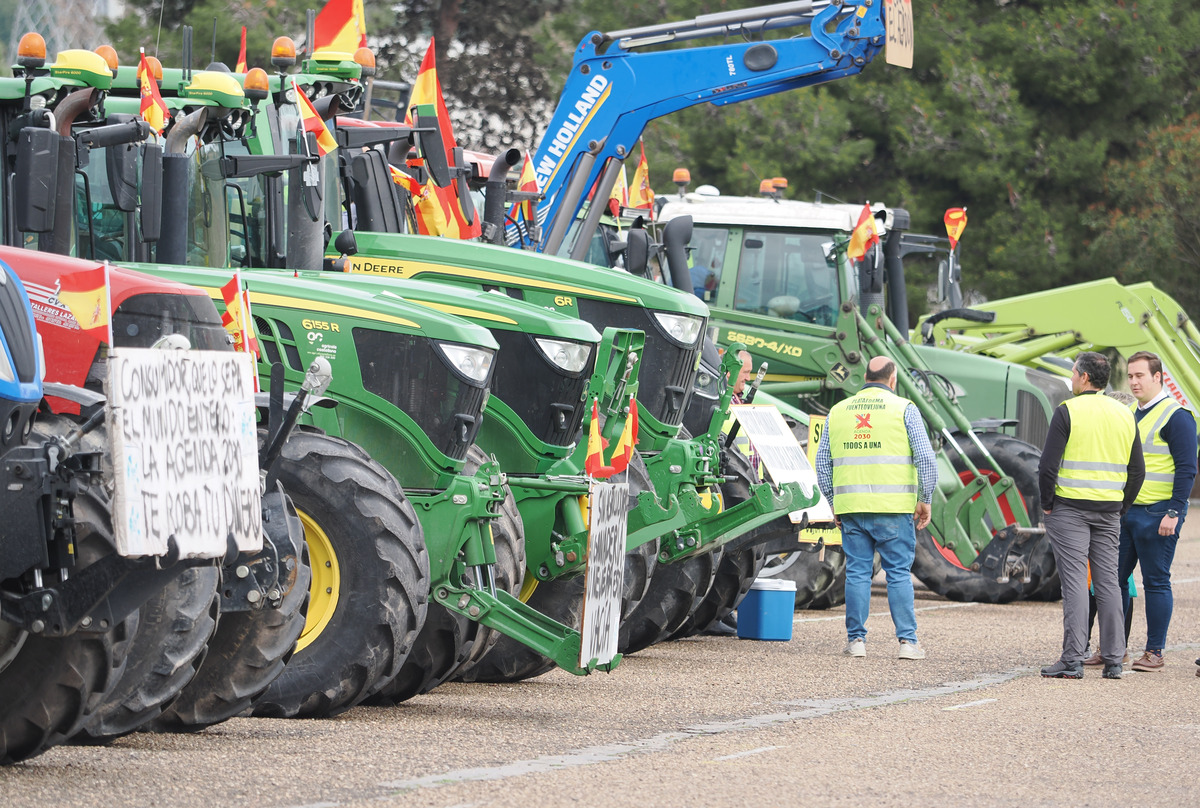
pixel 49 683
pixel 674 589
pixel 949 578
pixel 248 651
pixel 370 578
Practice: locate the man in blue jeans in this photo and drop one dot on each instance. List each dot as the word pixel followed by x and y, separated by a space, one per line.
pixel 876 467
pixel 1150 529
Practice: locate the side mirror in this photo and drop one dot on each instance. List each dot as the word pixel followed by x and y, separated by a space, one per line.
pixel 36 180
pixel 464 187
pixel 152 184
pixel 943 281
pixel 432 149
pixel 121 164
pixel 637 251
pixel 346 243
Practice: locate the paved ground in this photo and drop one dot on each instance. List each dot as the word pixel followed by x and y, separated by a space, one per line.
pixel 713 722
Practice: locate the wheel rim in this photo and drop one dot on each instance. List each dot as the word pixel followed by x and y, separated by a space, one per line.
pixel 11 640
pixel 777 565
pixel 325 587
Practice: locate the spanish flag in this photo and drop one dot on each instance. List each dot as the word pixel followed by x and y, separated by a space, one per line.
pixel 526 184
pixel 640 194
pixel 241 62
pixel 236 318
pixel 619 197
pixel 85 294
pixel 440 213
pixel 864 236
pixel 593 464
pixel 408 183
pixel 313 123
pixel 340 26
pixel 153 108
pixel 956 223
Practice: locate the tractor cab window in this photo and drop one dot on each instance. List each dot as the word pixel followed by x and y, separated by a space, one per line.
pixel 208 208
pixel 786 274
pixel 706 259
pixel 102 235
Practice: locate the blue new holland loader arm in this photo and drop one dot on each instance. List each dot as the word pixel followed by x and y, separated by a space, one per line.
pixel 616 88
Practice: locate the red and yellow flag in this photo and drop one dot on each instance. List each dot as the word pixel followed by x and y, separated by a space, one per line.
pixel 956 223
pixel 340 26
pixel 236 318
pixel 640 194
pixel 407 182
pixel 85 294
pixel 153 108
pixel 526 184
pixel 864 236
pixel 441 212
pixel 241 62
pixel 313 123
pixel 619 198
pixel 593 464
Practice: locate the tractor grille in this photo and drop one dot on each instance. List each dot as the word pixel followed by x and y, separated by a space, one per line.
pixel 667 370
pixel 408 371
pixel 548 399
pixel 1032 425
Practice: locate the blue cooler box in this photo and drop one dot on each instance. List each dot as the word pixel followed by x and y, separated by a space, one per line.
pixel 766 611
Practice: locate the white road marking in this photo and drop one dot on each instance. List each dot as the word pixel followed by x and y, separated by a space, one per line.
pixel 842 615
pixel 970 704
pixel 605 753
pixel 747 753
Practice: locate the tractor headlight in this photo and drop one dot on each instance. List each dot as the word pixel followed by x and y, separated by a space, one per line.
pixel 682 328
pixel 473 363
pixel 570 356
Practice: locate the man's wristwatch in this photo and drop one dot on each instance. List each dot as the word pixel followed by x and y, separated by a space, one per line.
pixel 1172 513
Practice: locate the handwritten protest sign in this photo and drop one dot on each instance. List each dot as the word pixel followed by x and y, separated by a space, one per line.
pixel 607 513
pixel 782 456
pixel 185 452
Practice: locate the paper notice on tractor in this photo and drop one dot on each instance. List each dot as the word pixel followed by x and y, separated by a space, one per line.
pixel 898 49
pixel 607 512
pixel 781 455
pixel 185 451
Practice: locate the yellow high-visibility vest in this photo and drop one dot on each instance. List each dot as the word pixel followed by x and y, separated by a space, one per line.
pixel 1095 462
pixel 1160 466
pixel 873 469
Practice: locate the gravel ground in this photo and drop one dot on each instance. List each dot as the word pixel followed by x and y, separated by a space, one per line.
pixel 713 722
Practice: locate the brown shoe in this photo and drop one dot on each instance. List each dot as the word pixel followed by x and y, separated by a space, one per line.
pixel 1149 661
pixel 1094 661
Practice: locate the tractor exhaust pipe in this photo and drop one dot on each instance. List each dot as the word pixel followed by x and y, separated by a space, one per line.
pixel 494 201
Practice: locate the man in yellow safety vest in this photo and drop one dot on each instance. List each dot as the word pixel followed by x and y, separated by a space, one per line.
pixel 1150 529
pixel 876 466
pixel 1090 471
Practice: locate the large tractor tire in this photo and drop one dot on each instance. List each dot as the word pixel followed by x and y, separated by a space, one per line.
pixel 370 578
pixel 50 683
pixel 742 559
pixel 249 649
pixel 562 600
pixel 941 571
pixel 674 590
pixel 451 643
pixel 174 627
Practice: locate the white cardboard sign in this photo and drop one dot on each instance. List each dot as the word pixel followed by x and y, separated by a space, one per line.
pixel 608 507
pixel 781 455
pixel 185 451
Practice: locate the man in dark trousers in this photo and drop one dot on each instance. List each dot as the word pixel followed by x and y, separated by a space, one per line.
pixel 1150 530
pixel 876 467
pixel 1090 472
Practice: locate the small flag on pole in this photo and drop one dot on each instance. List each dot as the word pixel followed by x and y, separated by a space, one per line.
pixel 241 62
pixel 864 236
pixel 153 108
pixel 313 123
pixel 956 223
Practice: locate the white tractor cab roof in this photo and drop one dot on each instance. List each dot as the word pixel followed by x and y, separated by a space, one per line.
pixel 705 207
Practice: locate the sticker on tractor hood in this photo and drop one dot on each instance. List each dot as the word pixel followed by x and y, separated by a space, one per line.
pixel 47 308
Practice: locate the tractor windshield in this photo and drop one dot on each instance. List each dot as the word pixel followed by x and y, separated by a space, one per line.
pixel 786 274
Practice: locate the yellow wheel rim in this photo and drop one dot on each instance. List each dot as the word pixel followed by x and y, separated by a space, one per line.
pixel 325 588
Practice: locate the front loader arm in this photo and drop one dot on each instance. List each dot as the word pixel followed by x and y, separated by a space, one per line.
pixel 614 89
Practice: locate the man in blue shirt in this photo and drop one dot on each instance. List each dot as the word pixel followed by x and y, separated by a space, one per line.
pixel 1150 529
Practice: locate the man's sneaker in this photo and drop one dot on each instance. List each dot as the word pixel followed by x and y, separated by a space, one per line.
pixel 1149 661
pixel 911 649
pixel 855 648
pixel 1063 670
pixel 1113 671
pixel 1097 659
